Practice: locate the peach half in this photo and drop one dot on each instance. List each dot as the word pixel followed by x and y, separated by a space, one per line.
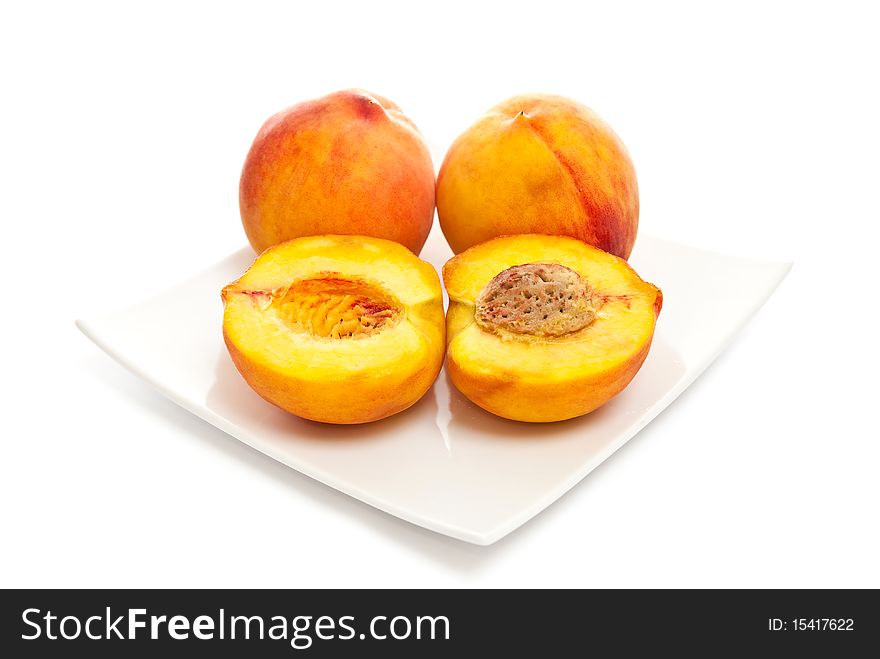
pixel 545 328
pixel 339 329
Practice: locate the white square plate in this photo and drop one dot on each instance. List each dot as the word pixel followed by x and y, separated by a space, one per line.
pixel 444 464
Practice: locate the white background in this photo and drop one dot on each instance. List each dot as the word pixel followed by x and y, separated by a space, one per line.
pixel 754 131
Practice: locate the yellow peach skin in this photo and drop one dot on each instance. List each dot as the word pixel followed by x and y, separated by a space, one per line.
pixel 347 163
pixel 514 364
pixel 539 164
pixel 339 329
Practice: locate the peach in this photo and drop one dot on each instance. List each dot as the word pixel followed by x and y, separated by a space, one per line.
pixel 539 164
pixel 346 163
pixel 545 328
pixel 340 329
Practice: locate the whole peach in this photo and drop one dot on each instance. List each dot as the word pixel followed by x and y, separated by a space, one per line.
pixel 539 164
pixel 346 163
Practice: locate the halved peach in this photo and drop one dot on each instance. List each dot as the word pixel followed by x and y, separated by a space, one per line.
pixel 340 329
pixel 545 328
